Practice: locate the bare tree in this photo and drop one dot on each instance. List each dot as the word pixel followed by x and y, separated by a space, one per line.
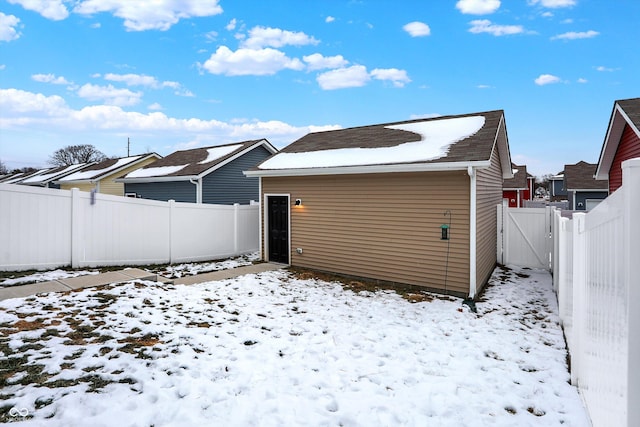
pixel 74 154
pixel 3 169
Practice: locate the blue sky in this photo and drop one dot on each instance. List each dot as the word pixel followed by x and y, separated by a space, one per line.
pixel 173 75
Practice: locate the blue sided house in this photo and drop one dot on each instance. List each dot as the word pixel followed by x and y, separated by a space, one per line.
pixel 202 175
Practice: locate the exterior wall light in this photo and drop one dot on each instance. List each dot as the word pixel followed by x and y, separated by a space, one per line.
pixel 298 202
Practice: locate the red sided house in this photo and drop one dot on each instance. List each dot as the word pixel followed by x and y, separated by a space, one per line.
pixel 411 202
pixel 519 188
pixel 621 143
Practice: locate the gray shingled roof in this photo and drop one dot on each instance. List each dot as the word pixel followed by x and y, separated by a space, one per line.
pixel 477 147
pixel 580 177
pixel 632 109
pixel 193 159
pixel 519 180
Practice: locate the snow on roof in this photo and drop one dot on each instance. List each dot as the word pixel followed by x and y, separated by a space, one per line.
pixel 216 152
pixel 436 138
pixel 90 174
pixel 155 171
pixel 51 174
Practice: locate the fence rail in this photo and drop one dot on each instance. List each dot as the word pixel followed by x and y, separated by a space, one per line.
pixel 46 228
pixel 596 275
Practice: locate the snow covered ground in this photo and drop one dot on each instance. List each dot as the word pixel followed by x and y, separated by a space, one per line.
pixel 274 349
pixel 169 271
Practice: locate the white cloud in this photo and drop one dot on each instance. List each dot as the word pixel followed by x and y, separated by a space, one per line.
pixel 417 29
pixel 329 19
pixel 243 62
pixel 147 81
pixel 602 68
pixel 545 79
pixel 50 9
pixel 566 21
pixel 547 14
pixel 553 4
pixel 260 37
pixel 485 26
pixel 50 78
pixel 398 77
pixel 133 79
pixel 572 35
pixel 318 62
pixel 29 110
pixel 15 102
pixel 484 87
pixel 8 24
pixel 478 7
pixel 150 15
pixel 109 95
pixel 231 25
pixel 2 67
pixel 155 107
pixel 354 76
pixel 581 80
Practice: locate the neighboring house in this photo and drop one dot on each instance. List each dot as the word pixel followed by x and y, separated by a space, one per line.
pixel 519 188
pixel 583 191
pixel 47 177
pixel 621 143
pixel 376 201
pixel 557 191
pixel 15 178
pixel 101 176
pixel 202 175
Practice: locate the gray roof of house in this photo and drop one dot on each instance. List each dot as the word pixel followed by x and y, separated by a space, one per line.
pixel 519 180
pixel 105 168
pixel 581 177
pixel 632 108
pixel 194 161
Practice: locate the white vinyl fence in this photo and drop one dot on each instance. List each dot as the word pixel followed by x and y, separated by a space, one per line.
pixel 596 272
pixel 45 228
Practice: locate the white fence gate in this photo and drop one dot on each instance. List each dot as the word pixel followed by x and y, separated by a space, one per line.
pixel 524 236
pixel 42 228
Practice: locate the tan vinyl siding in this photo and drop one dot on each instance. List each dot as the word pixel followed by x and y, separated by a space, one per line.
pixel 489 195
pixel 381 226
pixel 108 185
pixel 81 187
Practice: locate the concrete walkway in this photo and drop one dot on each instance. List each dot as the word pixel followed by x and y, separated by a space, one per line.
pixel 126 275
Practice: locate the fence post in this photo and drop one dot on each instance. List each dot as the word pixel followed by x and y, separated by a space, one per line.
pixel 236 226
pixel 172 206
pixel 500 223
pixel 631 254
pixel 579 289
pixel 77 239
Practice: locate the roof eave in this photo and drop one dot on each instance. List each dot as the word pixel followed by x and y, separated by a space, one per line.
pixel 351 170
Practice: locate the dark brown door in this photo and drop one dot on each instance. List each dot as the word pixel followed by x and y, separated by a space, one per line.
pixel 278 227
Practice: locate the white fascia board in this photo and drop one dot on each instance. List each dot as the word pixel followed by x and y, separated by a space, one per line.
pixel 593 190
pixel 351 170
pixel 513 189
pixel 156 179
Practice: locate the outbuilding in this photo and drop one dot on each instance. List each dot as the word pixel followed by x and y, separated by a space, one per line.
pixel 411 202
